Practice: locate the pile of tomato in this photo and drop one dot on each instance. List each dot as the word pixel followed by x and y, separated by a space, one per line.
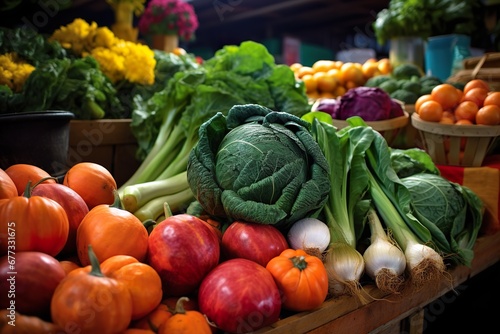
pixel 476 103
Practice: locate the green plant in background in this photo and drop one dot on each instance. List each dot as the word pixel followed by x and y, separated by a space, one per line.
pixel 426 18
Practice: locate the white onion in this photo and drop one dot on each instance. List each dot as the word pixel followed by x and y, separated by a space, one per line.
pixel 309 234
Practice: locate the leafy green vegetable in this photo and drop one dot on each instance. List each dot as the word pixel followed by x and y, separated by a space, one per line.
pixel 166 125
pixel 451 212
pixel 258 165
pixel 412 161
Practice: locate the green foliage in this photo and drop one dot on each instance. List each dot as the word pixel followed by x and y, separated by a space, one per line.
pixel 389 86
pixel 425 18
pixel 405 96
pixel 377 80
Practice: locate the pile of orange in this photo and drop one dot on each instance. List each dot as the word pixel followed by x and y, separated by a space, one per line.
pixel 475 104
pixel 330 78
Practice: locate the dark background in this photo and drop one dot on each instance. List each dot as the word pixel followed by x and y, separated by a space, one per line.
pixel 331 25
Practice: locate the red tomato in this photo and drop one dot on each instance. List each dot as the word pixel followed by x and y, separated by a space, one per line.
pixel 239 296
pixel 182 249
pixel 252 241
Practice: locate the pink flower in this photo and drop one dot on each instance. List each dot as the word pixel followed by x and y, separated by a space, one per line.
pixel 169 17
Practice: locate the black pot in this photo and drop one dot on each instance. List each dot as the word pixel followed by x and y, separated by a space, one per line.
pixel 39 138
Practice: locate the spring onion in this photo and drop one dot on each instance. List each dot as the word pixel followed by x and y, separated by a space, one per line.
pixel 385 262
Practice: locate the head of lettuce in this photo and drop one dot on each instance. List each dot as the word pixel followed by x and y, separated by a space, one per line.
pixel 258 165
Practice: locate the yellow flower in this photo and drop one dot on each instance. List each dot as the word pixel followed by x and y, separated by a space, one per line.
pixel 118 59
pixel 14 71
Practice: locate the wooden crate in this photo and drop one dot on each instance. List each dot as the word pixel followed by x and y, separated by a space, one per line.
pixel 108 142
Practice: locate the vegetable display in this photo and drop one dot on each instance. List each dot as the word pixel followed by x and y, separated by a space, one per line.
pixel 258 165
pixel 167 124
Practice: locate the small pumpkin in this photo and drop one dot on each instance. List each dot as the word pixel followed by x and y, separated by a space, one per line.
pixel 301 278
pixel 93 182
pixel 185 322
pixel 21 174
pixel 111 231
pixel 7 187
pixel 141 280
pixel 154 319
pixel 68 266
pixel 32 223
pixel 91 302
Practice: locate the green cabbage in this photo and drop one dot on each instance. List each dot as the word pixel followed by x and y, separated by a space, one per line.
pixel 451 212
pixel 258 165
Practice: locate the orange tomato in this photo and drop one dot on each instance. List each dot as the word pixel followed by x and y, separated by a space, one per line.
pixel 492 98
pixel 420 100
pixel 295 67
pixel 447 118
pixel 446 95
pixel 476 83
pixel 476 95
pixel 352 72
pixel 466 110
pixel 325 82
pixel 303 71
pixel 431 111
pixel 488 115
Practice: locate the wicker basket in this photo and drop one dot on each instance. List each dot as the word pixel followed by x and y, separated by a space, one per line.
pixel 486 67
pixel 456 145
pixel 388 128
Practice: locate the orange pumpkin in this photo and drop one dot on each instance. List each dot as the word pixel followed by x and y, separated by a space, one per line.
pixel 93 182
pixel 142 281
pixel 154 319
pixel 111 231
pixel 32 223
pixel 301 278
pixel 21 174
pixel 7 186
pixel 91 302
pixel 137 331
pixel 185 322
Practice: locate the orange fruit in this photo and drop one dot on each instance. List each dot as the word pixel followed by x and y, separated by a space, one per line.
pixel 370 69
pixel 492 98
pixel 303 71
pixel 431 111
pixel 488 115
pixel 338 64
pixel 385 66
pixel 422 99
pixel 323 65
pixel 476 83
pixel 463 122
pixel 335 72
pixel 325 82
pixel 309 82
pixel 466 110
pixel 352 72
pixel 446 95
pixel 295 67
pixel 339 91
pixel 448 117
pixel 476 95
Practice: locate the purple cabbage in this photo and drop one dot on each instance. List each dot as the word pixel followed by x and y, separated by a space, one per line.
pixel 328 105
pixel 370 103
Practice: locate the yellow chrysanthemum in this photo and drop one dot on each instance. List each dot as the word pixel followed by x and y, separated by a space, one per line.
pixel 118 59
pixel 111 64
pixel 13 71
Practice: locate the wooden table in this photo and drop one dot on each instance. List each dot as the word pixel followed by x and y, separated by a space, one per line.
pixel 388 313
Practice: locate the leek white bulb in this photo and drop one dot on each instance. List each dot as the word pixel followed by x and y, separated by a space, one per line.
pixel 309 234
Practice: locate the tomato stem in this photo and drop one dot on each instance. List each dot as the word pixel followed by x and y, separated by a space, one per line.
pixel 299 262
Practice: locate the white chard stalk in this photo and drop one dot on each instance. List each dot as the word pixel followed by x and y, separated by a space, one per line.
pixel 385 262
